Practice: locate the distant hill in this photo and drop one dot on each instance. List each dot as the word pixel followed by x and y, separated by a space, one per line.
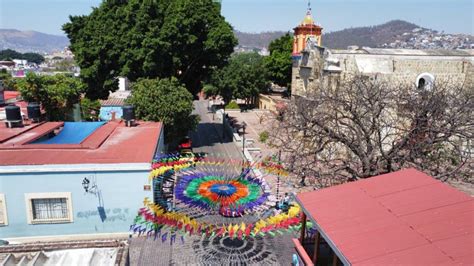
pixel 257 40
pixel 393 34
pixel 374 36
pixel 31 41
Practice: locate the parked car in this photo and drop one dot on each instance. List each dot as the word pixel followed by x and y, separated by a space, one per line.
pixel 185 145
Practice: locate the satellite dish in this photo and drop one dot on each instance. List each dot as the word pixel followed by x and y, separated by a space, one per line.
pixel 425 81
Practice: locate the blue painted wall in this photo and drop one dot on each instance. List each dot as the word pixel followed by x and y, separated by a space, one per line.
pixel 106 112
pixel 122 194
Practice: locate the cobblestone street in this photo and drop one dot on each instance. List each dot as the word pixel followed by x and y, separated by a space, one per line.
pixel 195 250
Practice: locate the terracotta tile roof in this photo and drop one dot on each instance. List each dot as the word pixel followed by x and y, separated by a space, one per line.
pixel 111 143
pixel 406 217
pixel 113 102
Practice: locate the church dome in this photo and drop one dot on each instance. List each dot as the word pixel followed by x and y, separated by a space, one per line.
pixel 308 19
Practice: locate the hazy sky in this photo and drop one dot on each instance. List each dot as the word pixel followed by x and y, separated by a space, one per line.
pixel 452 16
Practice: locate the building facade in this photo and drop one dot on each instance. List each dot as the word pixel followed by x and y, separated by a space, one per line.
pixel 315 65
pixel 90 187
pixel 319 66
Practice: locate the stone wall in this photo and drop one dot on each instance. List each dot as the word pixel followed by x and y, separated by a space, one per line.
pixel 469 69
pixel 320 67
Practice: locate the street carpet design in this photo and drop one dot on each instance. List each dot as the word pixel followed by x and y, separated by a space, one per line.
pixel 231 197
pixel 211 186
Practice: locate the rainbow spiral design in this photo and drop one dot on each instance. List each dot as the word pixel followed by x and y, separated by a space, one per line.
pixel 208 191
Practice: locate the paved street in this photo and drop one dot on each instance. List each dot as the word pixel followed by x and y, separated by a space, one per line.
pixel 209 137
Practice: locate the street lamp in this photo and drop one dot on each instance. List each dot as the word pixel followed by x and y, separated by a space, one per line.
pixel 244 125
pixel 85 184
pixel 278 176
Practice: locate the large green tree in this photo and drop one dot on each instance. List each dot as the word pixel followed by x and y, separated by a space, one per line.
pixel 279 62
pixel 243 78
pixel 185 39
pixel 167 101
pixel 56 94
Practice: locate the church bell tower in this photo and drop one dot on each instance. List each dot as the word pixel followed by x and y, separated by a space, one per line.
pixel 305 31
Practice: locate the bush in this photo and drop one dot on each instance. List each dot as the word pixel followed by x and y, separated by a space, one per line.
pixel 165 100
pixel 263 136
pixel 57 94
pixel 232 105
pixel 90 109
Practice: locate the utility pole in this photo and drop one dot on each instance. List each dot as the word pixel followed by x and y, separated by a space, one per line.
pixel 244 125
pixel 278 176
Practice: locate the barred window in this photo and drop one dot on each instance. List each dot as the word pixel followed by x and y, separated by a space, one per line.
pixel 55 207
pixel 48 209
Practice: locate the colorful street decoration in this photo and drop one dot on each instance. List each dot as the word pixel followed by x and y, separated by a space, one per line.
pixel 232 197
pixel 212 186
pixel 271 165
pixel 154 222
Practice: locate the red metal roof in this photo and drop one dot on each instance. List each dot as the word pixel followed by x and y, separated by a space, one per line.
pixel 111 143
pixel 404 218
pixel 11 95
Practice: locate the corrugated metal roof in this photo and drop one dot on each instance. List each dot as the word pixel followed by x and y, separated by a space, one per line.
pixel 90 256
pixel 406 217
pixel 74 252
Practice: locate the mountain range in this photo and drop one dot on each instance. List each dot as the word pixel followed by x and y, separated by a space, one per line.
pixel 393 34
pixel 31 41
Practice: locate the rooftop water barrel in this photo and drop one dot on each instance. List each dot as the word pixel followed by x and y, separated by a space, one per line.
pixel 128 114
pixel 34 112
pixel 13 113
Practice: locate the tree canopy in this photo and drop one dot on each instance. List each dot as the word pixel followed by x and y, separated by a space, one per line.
pixel 185 39
pixel 167 101
pixel 366 128
pixel 279 62
pixel 57 94
pixel 9 54
pixel 244 77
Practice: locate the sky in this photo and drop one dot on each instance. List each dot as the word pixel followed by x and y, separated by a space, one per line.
pixel 450 16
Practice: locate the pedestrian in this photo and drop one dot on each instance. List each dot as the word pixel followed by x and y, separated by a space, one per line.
pixel 286 199
pixel 295 260
pixel 303 177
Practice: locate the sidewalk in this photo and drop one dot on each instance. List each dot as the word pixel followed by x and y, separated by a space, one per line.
pixel 255 121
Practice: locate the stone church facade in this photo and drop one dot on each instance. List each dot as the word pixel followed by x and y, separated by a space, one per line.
pixel 318 66
pixel 315 66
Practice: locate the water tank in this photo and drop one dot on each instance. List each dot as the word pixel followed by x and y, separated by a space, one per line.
pixel 13 113
pixel 128 114
pixel 34 112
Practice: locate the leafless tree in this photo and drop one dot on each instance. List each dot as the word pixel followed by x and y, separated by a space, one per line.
pixel 366 127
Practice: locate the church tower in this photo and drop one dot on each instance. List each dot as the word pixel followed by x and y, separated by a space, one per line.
pixel 306 30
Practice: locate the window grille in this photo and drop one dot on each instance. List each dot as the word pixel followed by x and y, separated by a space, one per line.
pixel 49 209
